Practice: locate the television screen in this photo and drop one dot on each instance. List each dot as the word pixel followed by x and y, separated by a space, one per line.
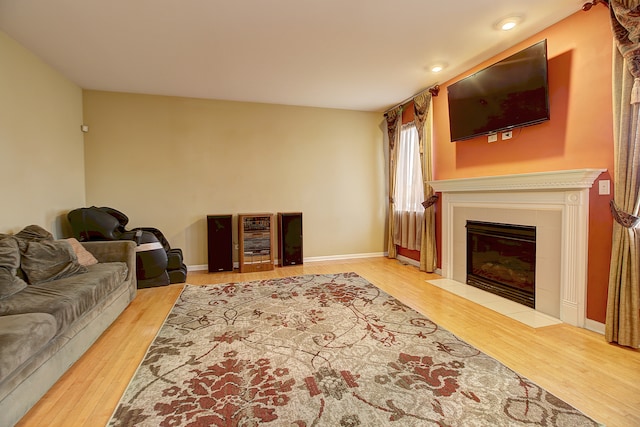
pixel 508 94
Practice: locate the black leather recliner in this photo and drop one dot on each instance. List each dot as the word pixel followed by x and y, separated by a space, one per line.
pixel 157 264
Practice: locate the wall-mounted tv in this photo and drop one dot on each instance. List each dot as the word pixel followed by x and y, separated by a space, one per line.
pixel 509 94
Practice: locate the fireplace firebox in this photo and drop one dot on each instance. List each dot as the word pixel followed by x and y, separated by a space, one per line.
pixel 501 259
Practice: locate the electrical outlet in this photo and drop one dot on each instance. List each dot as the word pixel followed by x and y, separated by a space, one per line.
pixel 507 135
pixel 493 137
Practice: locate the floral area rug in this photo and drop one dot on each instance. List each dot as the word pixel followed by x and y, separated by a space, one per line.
pixel 322 350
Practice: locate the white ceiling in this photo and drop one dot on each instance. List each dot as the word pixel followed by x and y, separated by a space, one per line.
pixel 350 54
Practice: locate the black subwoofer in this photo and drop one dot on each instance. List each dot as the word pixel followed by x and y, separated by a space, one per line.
pixel 289 238
pixel 220 243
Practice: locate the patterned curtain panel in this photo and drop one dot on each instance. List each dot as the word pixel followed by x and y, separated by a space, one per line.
pixel 428 259
pixel 394 118
pixel 623 304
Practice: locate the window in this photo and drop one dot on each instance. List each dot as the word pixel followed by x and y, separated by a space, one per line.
pixel 409 191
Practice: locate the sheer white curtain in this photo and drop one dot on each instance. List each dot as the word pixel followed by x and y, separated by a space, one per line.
pixel 409 193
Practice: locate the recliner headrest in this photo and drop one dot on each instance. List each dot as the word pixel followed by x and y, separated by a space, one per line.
pixel 94 224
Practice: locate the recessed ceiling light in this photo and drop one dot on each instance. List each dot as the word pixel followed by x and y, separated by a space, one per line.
pixel 508 23
pixel 437 68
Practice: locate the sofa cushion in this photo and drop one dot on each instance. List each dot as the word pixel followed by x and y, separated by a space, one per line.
pixel 21 336
pixel 10 283
pixel 85 257
pixel 70 298
pixel 47 260
pixel 32 233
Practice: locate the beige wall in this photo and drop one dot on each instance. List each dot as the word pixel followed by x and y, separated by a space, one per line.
pixel 167 162
pixel 41 145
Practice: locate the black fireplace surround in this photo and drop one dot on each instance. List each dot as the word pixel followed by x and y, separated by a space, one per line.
pixel 501 259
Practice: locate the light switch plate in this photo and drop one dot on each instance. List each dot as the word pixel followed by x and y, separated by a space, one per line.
pixel 604 187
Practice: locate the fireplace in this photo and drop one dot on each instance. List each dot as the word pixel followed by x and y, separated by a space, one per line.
pixel 556 203
pixel 501 259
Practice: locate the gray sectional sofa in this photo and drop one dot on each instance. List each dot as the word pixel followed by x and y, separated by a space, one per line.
pixel 56 299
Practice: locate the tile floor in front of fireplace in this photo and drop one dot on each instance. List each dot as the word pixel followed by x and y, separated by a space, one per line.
pixel 519 312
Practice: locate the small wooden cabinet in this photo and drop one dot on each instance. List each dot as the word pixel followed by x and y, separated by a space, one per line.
pixel 255 242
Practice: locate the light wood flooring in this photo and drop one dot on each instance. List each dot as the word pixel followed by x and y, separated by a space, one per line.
pixel 577 365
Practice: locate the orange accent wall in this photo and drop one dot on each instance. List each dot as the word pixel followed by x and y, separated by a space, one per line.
pixel 407 113
pixel 409 253
pixel 579 134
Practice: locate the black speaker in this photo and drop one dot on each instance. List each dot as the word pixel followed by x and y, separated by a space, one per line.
pixel 220 243
pixel 290 238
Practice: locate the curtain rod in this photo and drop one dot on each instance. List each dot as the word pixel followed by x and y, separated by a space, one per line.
pixel 434 90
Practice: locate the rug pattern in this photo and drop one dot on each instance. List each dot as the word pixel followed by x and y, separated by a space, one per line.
pixel 322 350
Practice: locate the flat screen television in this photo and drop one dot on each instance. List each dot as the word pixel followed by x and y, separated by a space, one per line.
pixel 509 94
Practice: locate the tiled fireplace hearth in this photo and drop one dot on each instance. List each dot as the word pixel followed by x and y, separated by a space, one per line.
pixel 555 203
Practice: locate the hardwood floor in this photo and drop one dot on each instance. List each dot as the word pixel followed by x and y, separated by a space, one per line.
pixel 577 365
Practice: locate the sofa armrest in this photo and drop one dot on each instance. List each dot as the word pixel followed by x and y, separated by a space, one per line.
pixel 115 251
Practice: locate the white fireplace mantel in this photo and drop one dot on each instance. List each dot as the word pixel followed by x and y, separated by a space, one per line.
pixel 527 198
pixel 558 180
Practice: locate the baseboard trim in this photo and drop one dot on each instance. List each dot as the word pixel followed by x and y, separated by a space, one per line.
pixel 205 267
pixel 408 260
pixel 344 257
pixel 594 326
